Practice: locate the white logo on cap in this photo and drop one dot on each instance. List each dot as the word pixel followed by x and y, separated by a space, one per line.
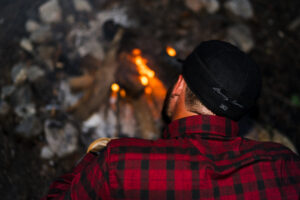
pixel 222 106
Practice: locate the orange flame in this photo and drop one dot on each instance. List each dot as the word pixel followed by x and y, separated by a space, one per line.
pixel 171 51
pixel 122 93
pixel 148 90
pixel 144 80
pixel 136 52
pixel 141 63
pixel 142 67
pixel 115 87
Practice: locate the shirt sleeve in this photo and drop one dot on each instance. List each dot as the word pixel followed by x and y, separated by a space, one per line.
pixel 80 182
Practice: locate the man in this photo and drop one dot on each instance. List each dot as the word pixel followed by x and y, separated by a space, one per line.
pixel 200 155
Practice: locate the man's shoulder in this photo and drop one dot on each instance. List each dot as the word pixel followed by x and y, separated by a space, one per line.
pixel 130 142
pixel 270 149
pixel 142 146
pixel 123 145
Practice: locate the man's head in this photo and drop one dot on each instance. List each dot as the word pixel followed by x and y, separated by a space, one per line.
pixel 217 78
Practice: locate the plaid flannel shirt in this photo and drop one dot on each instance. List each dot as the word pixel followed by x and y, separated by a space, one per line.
pixel 199 157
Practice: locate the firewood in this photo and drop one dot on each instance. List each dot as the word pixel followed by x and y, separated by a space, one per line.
pixel 99 91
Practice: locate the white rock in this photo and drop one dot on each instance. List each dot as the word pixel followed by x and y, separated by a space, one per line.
pixel 92 122
pixel 101 124
pixel 26 110
pixel 50 12
pixel 34 73
pixel 26 45
pixel 46 153
pixel 242 8
pixel 66 97
pixel 82 5
pixel 240 35
pixel 118 15
pixel 18 73
pixel 61 138
pixel 31 26
pixel 92 47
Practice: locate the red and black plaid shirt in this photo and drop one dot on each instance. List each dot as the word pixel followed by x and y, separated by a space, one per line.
pixel 200 157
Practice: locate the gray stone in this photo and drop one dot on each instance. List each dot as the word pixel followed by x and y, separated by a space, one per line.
pixel 4 108
pixel 7 91
pixel 61 138
pixel 82 5
pixel 18 73
pixel 26 45
pixel 92 47
pixel 46 153
pixel 34 73
pixel 25 110
pixel 31 26
pixel 50 12
pixel 240 35
pixel 242 8
pixel 22 96
pixel 211 6
pixel 194 5
pixel 29 127
pixel 66 97
pixel 21 73
pixel 118 15
pixel 41 35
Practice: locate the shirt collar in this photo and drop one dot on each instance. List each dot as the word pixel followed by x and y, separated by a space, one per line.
pixel 201 124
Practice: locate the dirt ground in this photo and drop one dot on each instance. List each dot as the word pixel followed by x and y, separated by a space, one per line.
pixel 24 175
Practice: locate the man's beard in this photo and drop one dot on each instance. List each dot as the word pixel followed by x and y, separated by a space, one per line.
pixel 166 112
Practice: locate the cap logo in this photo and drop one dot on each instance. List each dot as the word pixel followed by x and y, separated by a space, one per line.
pixel 219 92
pixel 223 107
pixel 225 98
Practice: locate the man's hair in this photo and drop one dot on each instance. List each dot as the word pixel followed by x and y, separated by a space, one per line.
pixel 192 102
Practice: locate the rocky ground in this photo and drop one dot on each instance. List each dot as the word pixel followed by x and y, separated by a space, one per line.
pixel 57 57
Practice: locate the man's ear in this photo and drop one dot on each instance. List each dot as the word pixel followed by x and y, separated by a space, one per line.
pixel 179 86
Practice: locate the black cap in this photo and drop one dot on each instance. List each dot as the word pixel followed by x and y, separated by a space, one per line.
pixel 225 79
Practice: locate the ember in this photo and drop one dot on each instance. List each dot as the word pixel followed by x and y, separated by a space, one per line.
pixel 144 80
pixel 171 51
pixel 122 93
pixel 115 87
pixel 148 90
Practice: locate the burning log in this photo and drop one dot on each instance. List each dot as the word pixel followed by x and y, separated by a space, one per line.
pixel 98 92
